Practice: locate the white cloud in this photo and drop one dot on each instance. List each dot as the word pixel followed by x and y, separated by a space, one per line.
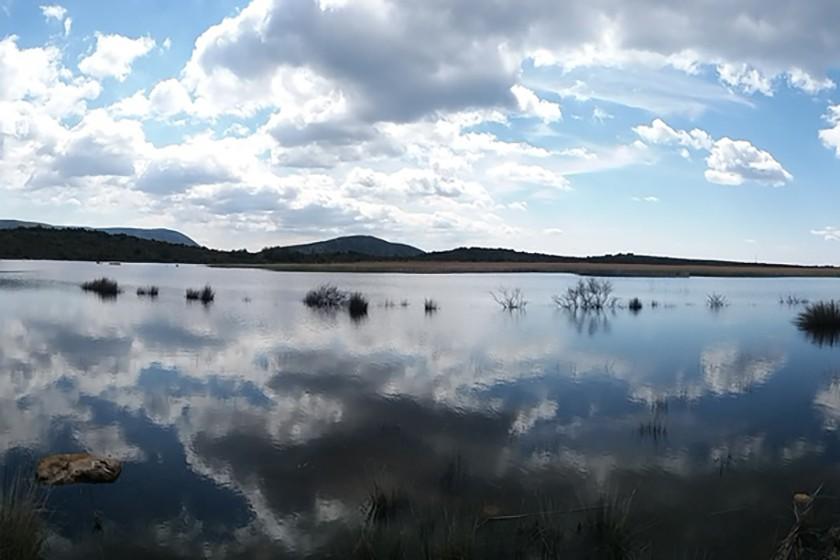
pixel 529 175
pixel 68 25
pixel 529 103
pixel 829 233
pixel 652 199
pixel 743 77
pixel 552 231
pixel 97 146
pixel 804 81
pixel 830 137
pixel 731 162
pixel 54 11
pixel 114 55
pixel 579 153
pixel 600 116
pixel 169 98
pixel 36 75
pixel 658 132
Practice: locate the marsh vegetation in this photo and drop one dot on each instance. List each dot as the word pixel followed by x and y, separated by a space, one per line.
pixel 587 295
pixel 821 322
pixel 716 301
pixel 104 287
pixel 205 295
pixel 330 297
pixel 509 299
pixel 22 528
pixel 148 291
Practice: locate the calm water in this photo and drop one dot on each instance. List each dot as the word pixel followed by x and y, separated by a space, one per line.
pixel 256 427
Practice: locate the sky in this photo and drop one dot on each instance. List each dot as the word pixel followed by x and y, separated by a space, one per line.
pixel 705 129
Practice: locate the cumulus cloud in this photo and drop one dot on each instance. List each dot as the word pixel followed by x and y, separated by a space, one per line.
pixel 114 55
pixel 241 63
pixel 54 11
pixel 730 162
pixel 97 146
pixel 747 79
pixel 804 81
pixel 658 132
pixel 59 14
pixel 529 103
pixel 830 137
pixel 36 75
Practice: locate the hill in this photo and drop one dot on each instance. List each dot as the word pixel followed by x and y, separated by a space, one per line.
pixel 36 242
pixel 82 244
pixel 157 234
pixel 349 246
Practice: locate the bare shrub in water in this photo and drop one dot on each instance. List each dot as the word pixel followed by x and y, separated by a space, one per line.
pixel 716 301
pixel 509 299
pixel 587 295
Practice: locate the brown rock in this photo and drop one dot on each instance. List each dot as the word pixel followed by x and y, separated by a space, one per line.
pixel 74 468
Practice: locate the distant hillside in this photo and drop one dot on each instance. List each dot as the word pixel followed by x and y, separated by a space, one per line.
pixel 81 244
pixel 352 245
pixel 158 234
pixel 357 253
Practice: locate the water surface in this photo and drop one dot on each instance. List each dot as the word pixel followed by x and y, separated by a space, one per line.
pixel 256 427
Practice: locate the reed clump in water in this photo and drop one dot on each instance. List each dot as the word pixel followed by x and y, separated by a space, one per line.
pixel 204 295
pixel 357 305
pixel 148 291
pixel 821 322
pixel 324 297
pixel 104 287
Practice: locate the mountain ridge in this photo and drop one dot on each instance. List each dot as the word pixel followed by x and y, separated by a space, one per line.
pixel 152 234
pixel 83 244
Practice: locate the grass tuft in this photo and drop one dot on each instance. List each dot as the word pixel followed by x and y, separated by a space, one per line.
pixel 104 287
pixel 150 291
pixel 430 305
pixel 716 301
pixel 357 305
pixel 22 529
pixel 635 305
pixel 204 295
pixel 821 322
pixel 324 297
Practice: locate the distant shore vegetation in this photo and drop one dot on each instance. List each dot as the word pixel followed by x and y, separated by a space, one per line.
pixel 89 245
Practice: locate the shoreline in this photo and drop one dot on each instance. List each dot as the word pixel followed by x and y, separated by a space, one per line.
pixel 582 269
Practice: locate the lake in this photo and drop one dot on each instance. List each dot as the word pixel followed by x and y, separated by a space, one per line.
pixel 255 427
